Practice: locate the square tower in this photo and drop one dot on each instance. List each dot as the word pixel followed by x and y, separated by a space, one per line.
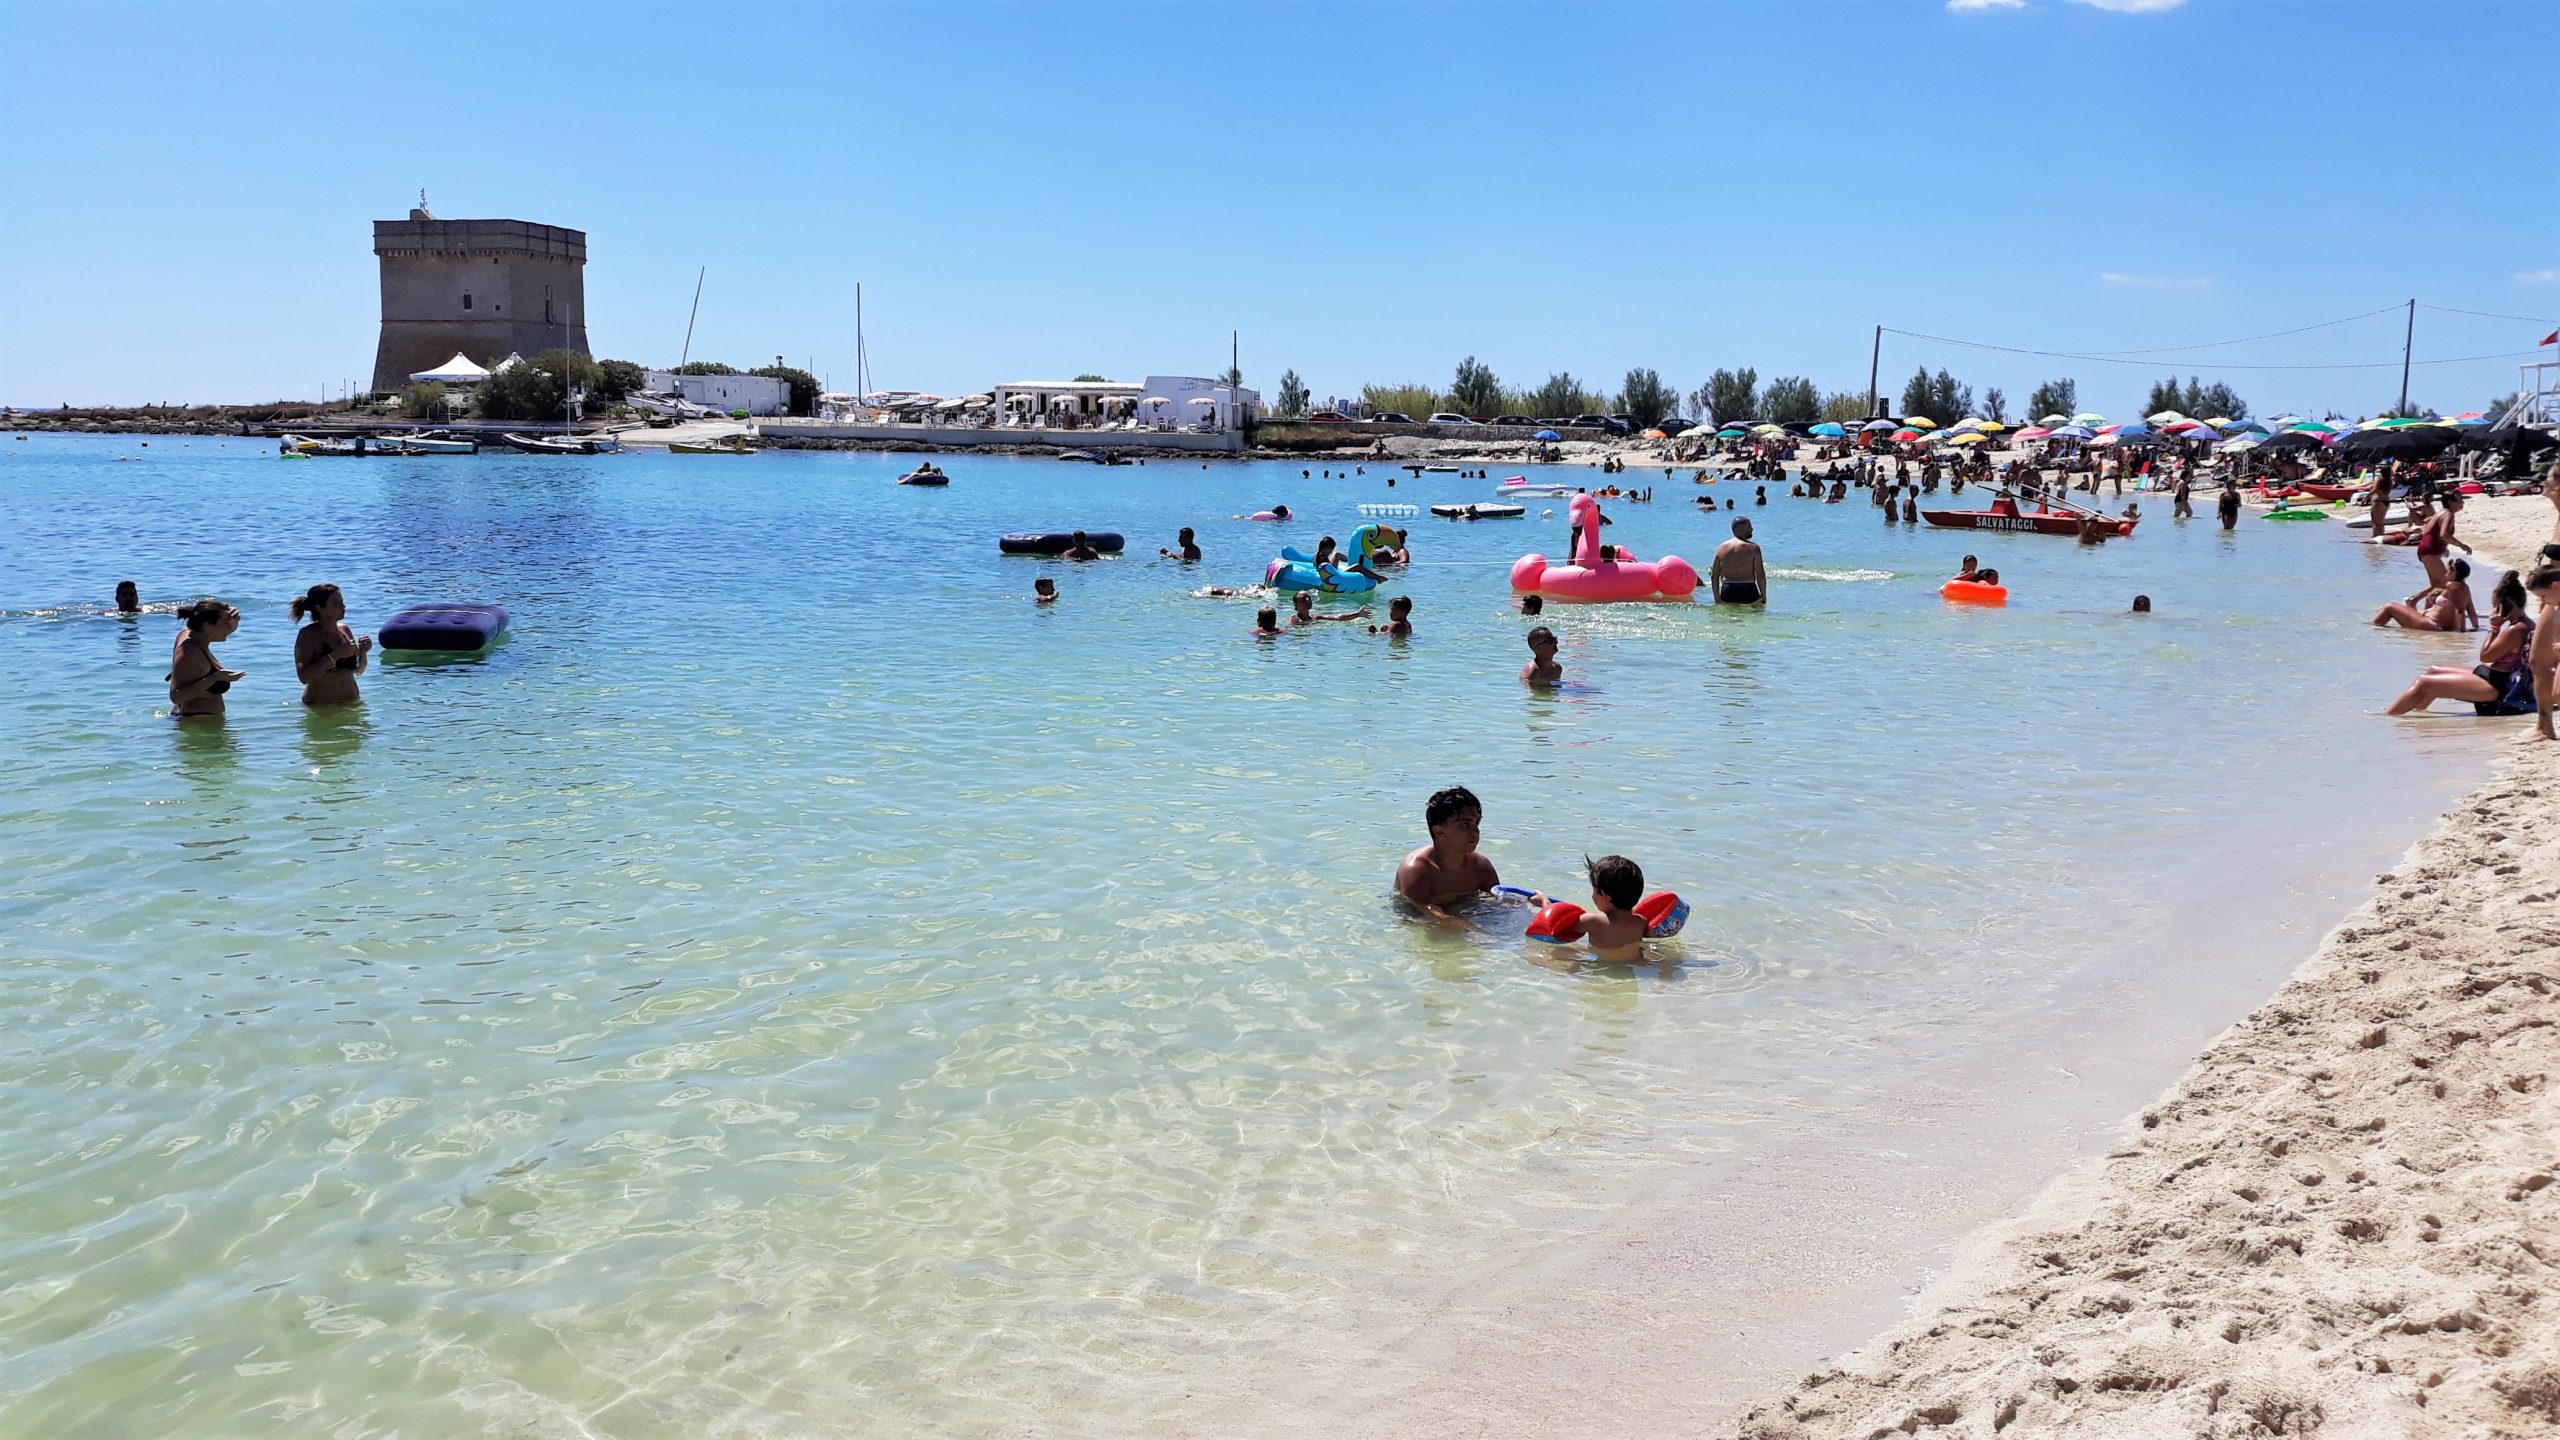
pixel 482 288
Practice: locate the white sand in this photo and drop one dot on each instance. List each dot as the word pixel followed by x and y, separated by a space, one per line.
pixel 2342 1221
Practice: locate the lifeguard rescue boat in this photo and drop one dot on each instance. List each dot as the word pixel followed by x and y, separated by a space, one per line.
pixel 2004 514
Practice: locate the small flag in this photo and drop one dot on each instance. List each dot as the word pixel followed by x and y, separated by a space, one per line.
pixel 2551 339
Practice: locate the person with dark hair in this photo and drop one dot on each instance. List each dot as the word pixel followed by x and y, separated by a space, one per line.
pixel 1044 591
pixel 1266 623
pixel 327 656
pixel 128 598
pixel 1302 610
pixel 2228 506
pixel 1189 552
pixel 1542 672
pixel 1532 604
pixel 1080 549
pixel 1399 619
pixel 196 679
pixel 2445 605
pixel 1971 570
pixel 2435 535
pixel 2141 604
pixel 1448 869
pixel 1611 927
pixel 1738 575
pixel 2503 683
pixel 2542 659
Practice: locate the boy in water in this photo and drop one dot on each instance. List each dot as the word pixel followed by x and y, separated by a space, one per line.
pixel 1611 927
pixel 1532 604
pixel 1044 591
pixel 1542 672
pixel 1399 619
pixel 1266 623
pixel 1448 869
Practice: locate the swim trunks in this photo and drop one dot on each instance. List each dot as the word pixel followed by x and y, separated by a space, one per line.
pixel 1737 592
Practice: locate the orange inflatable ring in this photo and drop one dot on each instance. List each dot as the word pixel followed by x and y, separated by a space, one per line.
pixel 1974 592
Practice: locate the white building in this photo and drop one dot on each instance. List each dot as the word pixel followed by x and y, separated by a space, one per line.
pixel 755 394
pixel 1184 401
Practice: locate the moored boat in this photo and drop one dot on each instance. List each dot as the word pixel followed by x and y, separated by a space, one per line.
pixel 2004 514
pixel 1543 489
pixel 561 444
pixel 737 446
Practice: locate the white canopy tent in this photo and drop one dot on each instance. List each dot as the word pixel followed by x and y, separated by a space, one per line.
pixel 457 371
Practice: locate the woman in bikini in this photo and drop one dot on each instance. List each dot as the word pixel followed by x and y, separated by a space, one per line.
pixel 2500 684
pixel 2445 606
pixel 2437 534
pixel 196 679
pixel 327 656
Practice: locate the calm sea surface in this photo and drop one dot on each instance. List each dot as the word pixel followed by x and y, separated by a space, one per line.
pixel 793 985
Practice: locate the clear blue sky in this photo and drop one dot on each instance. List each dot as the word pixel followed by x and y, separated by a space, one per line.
pixel 1367 192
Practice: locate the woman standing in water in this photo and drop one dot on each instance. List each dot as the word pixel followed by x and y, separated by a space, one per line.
pixel 327 656
pixel 197 680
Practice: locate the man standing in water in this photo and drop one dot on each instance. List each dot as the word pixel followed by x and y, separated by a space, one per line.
pixel 1735 576
pixel 1448 869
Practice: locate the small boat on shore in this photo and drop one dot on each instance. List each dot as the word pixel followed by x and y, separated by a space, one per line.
pixel 736 446
pixel 307 448
pixel 561 444
pixel 2004 514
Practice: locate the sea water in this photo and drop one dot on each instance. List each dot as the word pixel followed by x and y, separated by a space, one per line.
pixel 794 984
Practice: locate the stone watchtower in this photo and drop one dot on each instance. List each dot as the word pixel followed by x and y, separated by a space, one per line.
pixel 485 288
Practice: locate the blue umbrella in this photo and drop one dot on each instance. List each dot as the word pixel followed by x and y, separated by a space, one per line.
pixel 1829 431
pixel 2236 426
pixel 2074 432
pixel 1549 435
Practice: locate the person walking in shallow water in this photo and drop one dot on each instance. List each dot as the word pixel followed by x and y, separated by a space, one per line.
pixel 197 681
pixel 327 656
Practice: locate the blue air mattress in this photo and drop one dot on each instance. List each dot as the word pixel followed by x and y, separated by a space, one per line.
pixel 1058 542
pixel 442 627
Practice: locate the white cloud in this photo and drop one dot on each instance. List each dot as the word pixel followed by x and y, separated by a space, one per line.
pixel 2134 7
pixel 2156 282
pixel 2538 277
pixel 1969 7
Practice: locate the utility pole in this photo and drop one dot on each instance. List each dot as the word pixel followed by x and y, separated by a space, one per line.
pixel 1875 359
pixel 2406 337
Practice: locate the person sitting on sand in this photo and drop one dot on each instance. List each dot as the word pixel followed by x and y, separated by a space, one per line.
pixel 128 598
pixel 2503 682
pixel 1302 610
pixel 1189 552
pixel 1736 576
pixel 1448 869
pixel 196 679
pixel 1399 619
pixel 1542 672
pixel 2445 606
pixel 1266 623
pixel 1611 927
pixel 327 656
pixel 1080 549
pixel 1044 591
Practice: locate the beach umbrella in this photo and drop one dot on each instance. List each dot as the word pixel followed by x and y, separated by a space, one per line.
pixel 2053 420
pixel 2088 417
pixel 2200 432
pixel 2297 440
pixel 1969 437
pixel 2032 432
pixel 2310 427
pixel 2403 443
pixel 2251 425
pixel 2073 432
pixel 1732 432
pixel 1829 431
pixel 1992 427
pixel 1906 435
pixel 2164 417
pixel 1551 435
pixel 2109 429
pixel 2105 440
pixel 2469 420
pixel 1875 425
pixel 2239 444
pixel 1768 429
pixel 1918 422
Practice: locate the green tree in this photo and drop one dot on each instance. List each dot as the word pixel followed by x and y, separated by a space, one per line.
pixel 1293 396
pixel 1090 376
pixel 1477 390
pixel 2215 401
pixel 2054 397
pixel 1939 397
pixel 1407 399
pixel 1234 376
pixel 532 389
pixel 706 367
pixel 423 402
pixel 1729 395
pixel 2495 408
pixel 1646 398
pixel 804 386
pixel 1995 406
pixel 1842 408
pixel 1791 399
pixel 1561 398
pixel 616 379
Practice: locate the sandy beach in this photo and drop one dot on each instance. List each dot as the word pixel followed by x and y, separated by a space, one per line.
pixel 2342 1220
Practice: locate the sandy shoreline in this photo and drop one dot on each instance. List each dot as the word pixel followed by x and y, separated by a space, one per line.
pixel 2344 1219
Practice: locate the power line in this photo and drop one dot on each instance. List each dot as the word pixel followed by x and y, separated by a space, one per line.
pixel 2117 358
pixel 2271 335
pixel 2486 315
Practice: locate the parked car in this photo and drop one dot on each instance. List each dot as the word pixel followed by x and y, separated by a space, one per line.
pixel 1513 420
pixel 1447 417
pixel 1610 423
pixel 1330 417
pixel 1392 418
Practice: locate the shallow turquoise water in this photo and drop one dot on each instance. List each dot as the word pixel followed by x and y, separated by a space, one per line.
pixel 792 982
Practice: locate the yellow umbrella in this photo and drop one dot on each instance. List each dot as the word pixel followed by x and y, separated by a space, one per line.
pixel 1970 437
pixel 1991 427
pixel 2218 421
pixel 1919 422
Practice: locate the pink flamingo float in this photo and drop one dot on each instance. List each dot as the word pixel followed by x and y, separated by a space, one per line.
pixel 1592 576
